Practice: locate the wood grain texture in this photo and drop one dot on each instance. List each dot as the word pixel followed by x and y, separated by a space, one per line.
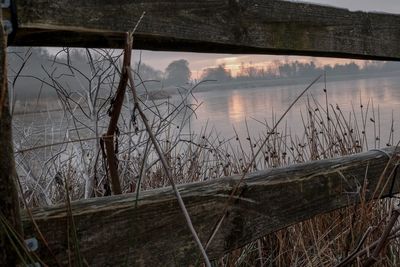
pixel 223 26
pixel 112 232
pixel 9 204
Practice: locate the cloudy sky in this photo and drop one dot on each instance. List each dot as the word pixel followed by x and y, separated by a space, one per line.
pixel 198 62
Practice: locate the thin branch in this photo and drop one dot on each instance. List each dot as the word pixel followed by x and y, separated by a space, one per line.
pixel 116 111
pixel 382 241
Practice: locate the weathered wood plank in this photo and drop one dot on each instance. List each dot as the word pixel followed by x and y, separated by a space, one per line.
pixel 9 204
pixel 113 232
pixel 224 26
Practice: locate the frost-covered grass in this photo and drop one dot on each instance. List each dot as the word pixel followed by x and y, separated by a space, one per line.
pixel 64 146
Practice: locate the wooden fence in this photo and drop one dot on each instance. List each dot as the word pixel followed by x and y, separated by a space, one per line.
pixel 112 230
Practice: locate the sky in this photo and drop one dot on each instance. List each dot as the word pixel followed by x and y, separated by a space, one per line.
pixel 200 61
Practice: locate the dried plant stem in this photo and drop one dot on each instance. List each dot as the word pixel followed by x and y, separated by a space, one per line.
pixel 354 254
pixel 347 261
pixel 71 227
pixel 166 168
pixel 37 229
pixel 21 151
pixel 382 241
pixel 116 111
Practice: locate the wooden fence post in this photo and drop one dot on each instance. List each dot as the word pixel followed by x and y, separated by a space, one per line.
pixel 9 205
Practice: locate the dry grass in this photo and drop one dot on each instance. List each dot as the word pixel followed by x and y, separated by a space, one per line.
pixel 66 161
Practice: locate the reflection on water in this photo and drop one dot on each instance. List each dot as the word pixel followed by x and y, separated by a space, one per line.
pixel 237 107
pixel 228 109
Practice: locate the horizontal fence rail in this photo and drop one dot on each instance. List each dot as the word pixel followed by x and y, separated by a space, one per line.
pixel 230 26
pixel 152 232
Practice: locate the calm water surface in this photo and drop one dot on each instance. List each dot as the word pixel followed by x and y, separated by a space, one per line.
pixel 222 111
pixel 225 110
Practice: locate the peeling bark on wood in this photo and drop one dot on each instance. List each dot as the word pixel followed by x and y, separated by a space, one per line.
pixel 227 26
pixel 9 204
pixel 113 232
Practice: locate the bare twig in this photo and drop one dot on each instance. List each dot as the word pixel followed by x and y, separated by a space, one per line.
pixel 37 229
pixel 382 241
pixel 352 256
pixel 116 110
pixel 20 151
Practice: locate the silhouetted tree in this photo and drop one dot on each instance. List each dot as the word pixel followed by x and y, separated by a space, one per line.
pixel 148 78
pixel 147 73
pixel 177 72
pixel 220 74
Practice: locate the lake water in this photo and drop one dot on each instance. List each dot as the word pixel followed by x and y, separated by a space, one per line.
pixel 225 110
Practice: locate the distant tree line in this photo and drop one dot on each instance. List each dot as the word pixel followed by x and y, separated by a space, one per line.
pixel 28 68
pixel 295 69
